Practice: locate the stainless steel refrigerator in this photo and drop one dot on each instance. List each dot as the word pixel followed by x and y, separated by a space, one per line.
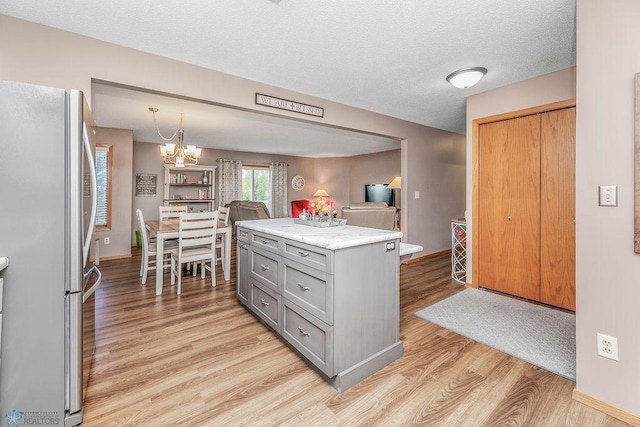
pixel 47 217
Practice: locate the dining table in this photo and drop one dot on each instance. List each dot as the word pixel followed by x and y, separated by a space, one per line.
pixel 170 229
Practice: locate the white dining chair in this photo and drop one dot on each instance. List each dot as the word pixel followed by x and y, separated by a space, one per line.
pixel 223 217
pixel 148 261
pixel 172 212
pixel 196 242
pixel 169 212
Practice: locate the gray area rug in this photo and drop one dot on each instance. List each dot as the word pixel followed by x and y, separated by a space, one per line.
pixel 540 335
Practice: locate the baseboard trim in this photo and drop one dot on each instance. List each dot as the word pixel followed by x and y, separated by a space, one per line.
pixel 428 256
pixel 606 408
pixel 110 258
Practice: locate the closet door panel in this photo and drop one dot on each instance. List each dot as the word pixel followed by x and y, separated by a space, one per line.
pixel 557 249
pixel 509 206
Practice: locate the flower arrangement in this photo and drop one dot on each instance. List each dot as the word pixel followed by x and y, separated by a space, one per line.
pixel 322 206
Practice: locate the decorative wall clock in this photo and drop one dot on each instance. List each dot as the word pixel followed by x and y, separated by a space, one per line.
pixel 297 183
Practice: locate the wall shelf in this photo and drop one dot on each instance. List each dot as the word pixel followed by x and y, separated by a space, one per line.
pixel 187 184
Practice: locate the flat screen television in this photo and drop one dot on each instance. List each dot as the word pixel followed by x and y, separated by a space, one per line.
pixel 378 193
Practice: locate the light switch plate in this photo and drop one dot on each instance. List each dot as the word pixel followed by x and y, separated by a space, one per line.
pixel 608 195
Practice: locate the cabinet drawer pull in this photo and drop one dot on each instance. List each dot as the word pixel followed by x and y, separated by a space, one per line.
pixel 264 241
pixel 303 254
pixel 264 303
pixel 243 246
pixel 304 288
pixel 302 331
pixel 264 267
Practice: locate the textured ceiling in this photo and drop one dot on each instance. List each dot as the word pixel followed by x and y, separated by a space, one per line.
pixel 386 56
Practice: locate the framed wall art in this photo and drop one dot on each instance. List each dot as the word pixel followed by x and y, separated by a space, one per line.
pixel 146 184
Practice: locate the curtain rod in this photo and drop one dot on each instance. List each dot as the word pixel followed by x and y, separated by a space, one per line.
pixel 253 164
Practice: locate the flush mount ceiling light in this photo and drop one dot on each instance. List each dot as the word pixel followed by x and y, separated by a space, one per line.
pixel 466 77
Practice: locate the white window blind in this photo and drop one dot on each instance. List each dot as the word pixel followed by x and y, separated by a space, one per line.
pixel 102 175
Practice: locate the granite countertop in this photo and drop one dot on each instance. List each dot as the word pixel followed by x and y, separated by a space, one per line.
pixel 343 236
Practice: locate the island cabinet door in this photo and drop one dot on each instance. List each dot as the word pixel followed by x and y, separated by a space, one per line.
pixel 310 336
pixel 265 241
pixel 312 256
pixel 265 304
pixel 309 289
pixel 243 271
pixel 265 268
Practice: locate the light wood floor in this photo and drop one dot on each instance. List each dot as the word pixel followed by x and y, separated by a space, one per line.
pixel 201 359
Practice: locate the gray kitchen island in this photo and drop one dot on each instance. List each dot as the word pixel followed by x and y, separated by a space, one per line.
pixel 331 294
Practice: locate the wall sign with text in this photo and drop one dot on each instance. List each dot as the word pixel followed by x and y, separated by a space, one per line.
pixel 283 104
pixel 146 184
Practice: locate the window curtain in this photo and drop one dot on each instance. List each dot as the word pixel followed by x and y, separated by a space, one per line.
pixel 279 208
pixel 229 181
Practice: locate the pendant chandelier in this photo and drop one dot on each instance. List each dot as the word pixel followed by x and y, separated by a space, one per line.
pixel 179 155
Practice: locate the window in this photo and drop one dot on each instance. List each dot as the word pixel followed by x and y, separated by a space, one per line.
pixel 256 184
pixel 104 166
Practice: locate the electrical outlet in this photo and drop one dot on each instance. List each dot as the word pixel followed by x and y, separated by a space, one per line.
pixel 107 240
pixel 416 195
pixel 608 346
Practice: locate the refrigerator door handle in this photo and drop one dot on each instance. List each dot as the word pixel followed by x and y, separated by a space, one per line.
pixel 94 195
pixel 76 369
pixel 89 292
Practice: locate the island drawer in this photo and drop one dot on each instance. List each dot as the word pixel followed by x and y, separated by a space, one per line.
pixel 265 241
pixel 310 336
pixel 308 288
pixel 242 235
pixel 265 267
pixel 265 305
pixel 313 256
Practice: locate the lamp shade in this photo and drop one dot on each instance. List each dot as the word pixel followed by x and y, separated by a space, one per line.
pixel 395 183
pixel 321 193
pixel 466 77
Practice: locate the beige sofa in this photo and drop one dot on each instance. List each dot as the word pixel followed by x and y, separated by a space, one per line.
pixel 370 214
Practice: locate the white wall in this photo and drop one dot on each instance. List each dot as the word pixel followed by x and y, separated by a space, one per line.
pixel 379 168
pixel 40 55
pixel 608 271
pixel 436 170
pixel 121 141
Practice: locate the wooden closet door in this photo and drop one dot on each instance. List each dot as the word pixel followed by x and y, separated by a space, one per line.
pixel 509 206
pixel 557 245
